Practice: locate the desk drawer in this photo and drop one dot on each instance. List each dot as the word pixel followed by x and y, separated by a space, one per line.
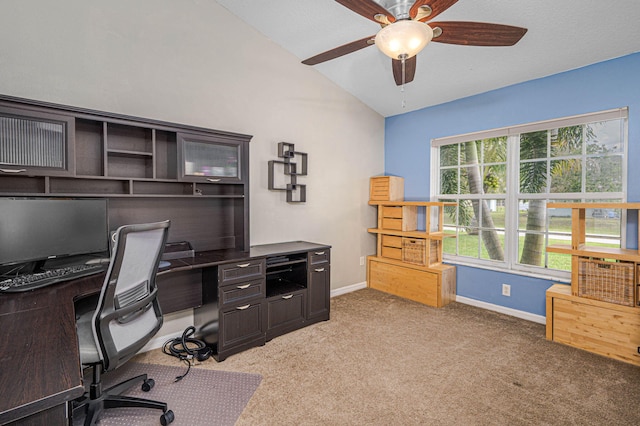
pixel 318 256
pixel 240 292
pixel 241 271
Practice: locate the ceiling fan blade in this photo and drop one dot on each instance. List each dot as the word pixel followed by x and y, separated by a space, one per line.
pixel 409 70
pixel 367 8
pixel 340 51
pixel 476 33
pixel 437 7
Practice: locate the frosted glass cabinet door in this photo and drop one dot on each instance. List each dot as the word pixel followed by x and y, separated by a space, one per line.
pixel 34 143
pixel 209 159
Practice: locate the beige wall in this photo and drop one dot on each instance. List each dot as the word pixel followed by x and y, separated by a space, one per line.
pixel 193 62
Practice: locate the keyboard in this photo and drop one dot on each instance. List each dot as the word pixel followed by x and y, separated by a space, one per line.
pixel 27 282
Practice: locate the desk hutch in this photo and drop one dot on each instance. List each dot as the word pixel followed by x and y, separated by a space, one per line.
pixel 149 171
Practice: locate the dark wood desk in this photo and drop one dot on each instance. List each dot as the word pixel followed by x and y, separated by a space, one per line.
pixel 40 358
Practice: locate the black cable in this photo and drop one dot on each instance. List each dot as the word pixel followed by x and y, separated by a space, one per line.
pixel 186 348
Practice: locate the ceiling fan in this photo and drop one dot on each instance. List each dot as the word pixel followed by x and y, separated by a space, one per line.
pixel 407 29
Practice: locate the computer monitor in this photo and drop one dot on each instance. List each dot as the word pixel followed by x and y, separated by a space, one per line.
pixel 35 230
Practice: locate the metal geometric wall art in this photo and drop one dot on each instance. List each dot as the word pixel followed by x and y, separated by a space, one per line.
pixel 296 192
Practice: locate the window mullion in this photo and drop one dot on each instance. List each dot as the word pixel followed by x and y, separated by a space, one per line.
pixel 513 189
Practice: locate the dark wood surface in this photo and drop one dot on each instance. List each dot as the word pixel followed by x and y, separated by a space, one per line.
pixel 40 356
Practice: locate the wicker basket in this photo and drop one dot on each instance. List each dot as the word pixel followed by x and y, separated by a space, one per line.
pixel 413 251
pixel 607 281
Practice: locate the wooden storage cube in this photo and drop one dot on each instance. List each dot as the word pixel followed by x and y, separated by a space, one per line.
pixel 386 188
pixel 400 218
pixel 612 282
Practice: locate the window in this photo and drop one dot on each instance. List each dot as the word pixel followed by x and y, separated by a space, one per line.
pixel 502 180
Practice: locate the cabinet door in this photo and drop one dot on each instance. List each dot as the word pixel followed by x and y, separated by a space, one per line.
pixel 240 325
pixel 35 143
pixel 319 292
pixel 211 159
pixel 285 313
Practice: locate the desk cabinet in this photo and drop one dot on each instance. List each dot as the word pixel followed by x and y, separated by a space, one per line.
pixel 285 313
pixel 318 286
pixel 278 289
pixel 231 319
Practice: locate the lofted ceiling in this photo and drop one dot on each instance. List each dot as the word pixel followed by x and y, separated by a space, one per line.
pixel 562 35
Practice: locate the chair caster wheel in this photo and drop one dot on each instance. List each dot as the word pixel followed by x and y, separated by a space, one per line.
pixel 148 384
pixel 167 418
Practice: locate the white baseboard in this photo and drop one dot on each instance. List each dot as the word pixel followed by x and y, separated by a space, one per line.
pixel 503 310
pixel 348 289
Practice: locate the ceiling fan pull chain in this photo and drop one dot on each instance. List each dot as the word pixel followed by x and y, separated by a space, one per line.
pixel 403 58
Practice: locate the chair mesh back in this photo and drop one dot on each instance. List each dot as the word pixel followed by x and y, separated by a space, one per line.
pixel 128 313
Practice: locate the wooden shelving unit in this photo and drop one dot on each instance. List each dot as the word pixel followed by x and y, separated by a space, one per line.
pixel 408 261
pixel 579 247
pixel 581 320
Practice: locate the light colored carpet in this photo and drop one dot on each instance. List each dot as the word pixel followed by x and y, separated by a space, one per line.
pixel 202 398
pixel 382 360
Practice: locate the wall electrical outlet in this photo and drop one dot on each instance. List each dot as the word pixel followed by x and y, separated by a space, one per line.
pixel 361 260
pixel 506 290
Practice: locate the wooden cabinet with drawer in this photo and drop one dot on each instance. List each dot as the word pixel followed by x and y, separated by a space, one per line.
pixel 399 218
pixel 392 247
pixel 435 287
pixel 408 260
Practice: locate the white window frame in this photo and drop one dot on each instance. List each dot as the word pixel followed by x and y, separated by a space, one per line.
pixel 510 264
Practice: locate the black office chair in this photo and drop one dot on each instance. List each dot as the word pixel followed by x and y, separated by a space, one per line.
pixel 125 316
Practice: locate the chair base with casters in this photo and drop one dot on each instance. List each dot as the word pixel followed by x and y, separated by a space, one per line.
pixel 93 402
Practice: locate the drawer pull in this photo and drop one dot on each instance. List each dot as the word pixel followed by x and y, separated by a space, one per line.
pixel 213 180
pixel 242 287
pixel 319 253
pixel 13 170
pixel 243 265
pixel 242 308
pixel 319 270
pixel 288 296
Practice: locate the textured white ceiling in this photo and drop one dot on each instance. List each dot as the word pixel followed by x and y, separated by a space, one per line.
pixel 563 35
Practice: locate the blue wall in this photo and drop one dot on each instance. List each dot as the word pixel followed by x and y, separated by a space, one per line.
pixel 598 87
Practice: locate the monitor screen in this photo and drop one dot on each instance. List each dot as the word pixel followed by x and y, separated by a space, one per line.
pixel 40 229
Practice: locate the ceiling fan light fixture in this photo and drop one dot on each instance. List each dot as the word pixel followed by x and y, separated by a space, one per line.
pixel 404 37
